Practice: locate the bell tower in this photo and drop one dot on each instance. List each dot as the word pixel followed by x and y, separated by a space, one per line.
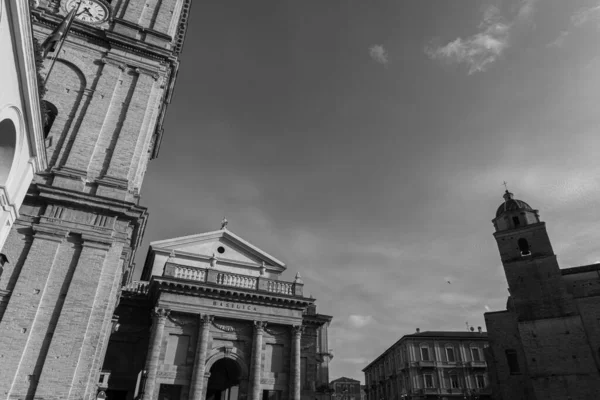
pixel 72 247
pixel 535 282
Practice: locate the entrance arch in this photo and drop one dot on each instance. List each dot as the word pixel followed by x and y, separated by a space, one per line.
pixel 224 380
pixel 8 143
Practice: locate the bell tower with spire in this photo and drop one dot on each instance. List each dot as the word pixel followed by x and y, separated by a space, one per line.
pixel 534 279
pixel 72 247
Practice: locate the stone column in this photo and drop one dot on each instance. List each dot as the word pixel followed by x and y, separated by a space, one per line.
pixel 295 372
pixel 255 363
pixel 159 318
pixel 198 375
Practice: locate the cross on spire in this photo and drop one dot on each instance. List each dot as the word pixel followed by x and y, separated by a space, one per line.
pixel 505 185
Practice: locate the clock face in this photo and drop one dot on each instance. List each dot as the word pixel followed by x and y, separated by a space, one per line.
pixel 89 11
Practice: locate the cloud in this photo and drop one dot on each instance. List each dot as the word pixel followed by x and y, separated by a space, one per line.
pixel 357 360
pixel 359 321
pixel 583 15
pixel 485 47
pixel 560 40
pixel 379 54
pixel 487 308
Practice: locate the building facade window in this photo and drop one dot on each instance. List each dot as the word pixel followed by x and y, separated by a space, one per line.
pixel 513 362
pixel 480 380
pixel 475 353
pixel 450 354
pixel 428 378
pixel 454 382
pixel 424 353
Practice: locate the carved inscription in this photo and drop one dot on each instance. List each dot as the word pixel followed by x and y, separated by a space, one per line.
pixel 235 306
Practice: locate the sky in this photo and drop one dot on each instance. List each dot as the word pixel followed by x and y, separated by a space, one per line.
pixel 365 144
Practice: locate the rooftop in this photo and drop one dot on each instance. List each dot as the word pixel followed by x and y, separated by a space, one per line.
pixel 433 334
pixel 583 268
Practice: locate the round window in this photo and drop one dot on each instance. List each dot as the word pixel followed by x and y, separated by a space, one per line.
pixel 221 249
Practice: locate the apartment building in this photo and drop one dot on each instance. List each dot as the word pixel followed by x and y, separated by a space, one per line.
pixel 431 365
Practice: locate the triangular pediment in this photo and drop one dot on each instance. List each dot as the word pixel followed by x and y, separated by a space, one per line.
pixel 222 244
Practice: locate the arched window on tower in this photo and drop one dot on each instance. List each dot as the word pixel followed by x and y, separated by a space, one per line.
pixel 516 222
pixel 49 116
pixel 524 247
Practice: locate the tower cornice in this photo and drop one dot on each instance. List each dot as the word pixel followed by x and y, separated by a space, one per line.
pixel 106 38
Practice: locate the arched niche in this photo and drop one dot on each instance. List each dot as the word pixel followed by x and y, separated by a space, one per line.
pixel 64 96
pixel 8 146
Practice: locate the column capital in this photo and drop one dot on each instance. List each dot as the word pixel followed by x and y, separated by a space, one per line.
pixel 259 326
pixel 206 319
pixel 160 313
pixel 297 330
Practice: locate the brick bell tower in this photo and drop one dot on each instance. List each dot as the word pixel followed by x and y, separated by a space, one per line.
pixel 72 247
pixel 535 282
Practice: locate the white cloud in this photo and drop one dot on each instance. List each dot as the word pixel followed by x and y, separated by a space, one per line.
pixel 379 54
pixel 485 47
pixel 487 308
pixel 560 40
pixel 584 15
pixel 359 321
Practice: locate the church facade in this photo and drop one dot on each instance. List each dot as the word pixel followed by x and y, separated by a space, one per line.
pixel 212 319
pixel 546 344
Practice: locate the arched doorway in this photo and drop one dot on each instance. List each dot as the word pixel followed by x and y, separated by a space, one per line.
pixel 8 142
pixel 224 380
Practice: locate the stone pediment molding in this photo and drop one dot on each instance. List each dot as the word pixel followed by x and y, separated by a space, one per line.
pixel 193 246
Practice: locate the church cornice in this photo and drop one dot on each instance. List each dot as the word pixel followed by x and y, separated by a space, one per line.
pixel 226 293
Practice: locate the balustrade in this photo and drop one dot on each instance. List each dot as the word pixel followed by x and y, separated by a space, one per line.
pixel 211 275
pixel 189 273
pixel 280 287
pixel 140 287
pixel 239 281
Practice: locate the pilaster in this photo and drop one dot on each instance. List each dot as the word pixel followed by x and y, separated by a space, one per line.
pixel 23 307
pixel 198 384
pixel 295 374
pixel 133 128
pixel 101 107
pixel 256 361
pixel 159 318
pixel 76 333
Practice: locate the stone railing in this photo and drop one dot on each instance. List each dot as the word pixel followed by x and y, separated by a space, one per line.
pixel 191 274
pixel 235 280
pixel 209 275
pixel 280 287
pixel 139 287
